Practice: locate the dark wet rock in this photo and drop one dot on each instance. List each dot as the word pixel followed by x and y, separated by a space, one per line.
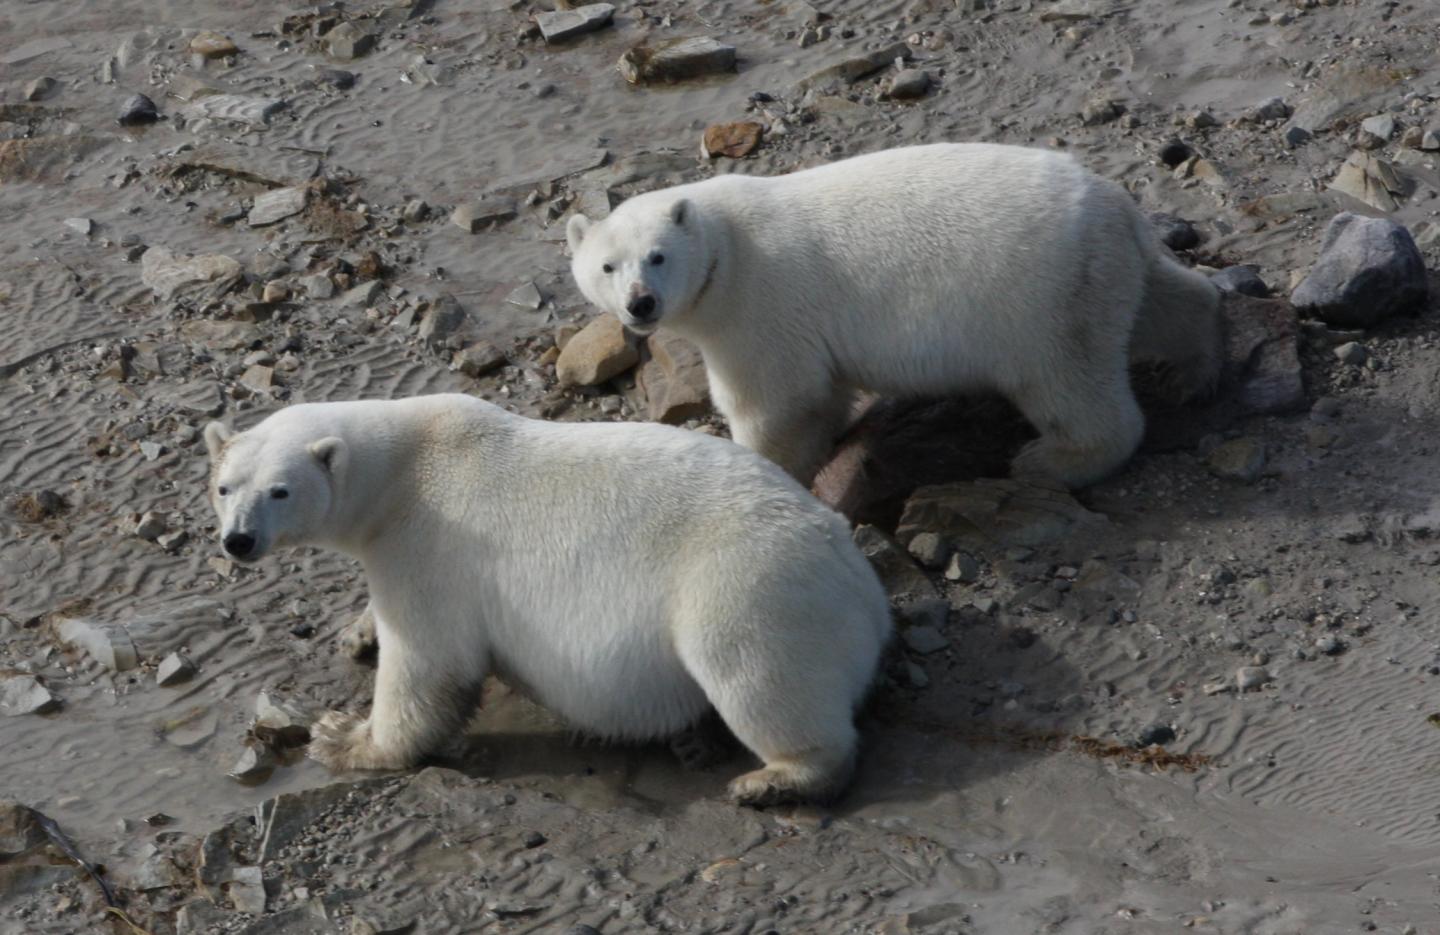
pixel 1174 232
pixel 677 60
pixel 897 570
pixel 1242 279
pixel 1174 152
pixel 337 78
pixel 1155 734
pixel 1296 137
pixel 39 89
pixel 1369 270
pixel 137 109
pixel 1242 459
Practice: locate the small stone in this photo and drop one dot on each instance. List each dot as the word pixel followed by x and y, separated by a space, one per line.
pixel 1242 459
pixel 1353 353
pixel 110 646
pixel 172 541
pixel 1251 678
pixel 204 276
pixel 1175 233
pixel 22 694
pixel 1100 111
pixel 363 295
pixel 910 84
pixel 277 205
pixel 258 379
pixel 1381 126
pixel 916 675
pixel 337 78
pixel 1216 688
pixel 39 89
pixel 962 568
pixel 533 839
pixel 1173 152
pixel 1330 645
pixel 1155 735
pixel 473 217
pixel 443 318
pixel 282 722
pixel 600 351
pixel 733 140
pixel 137 109
pixel 211 45
pixel 478 359
pixel 560 25
pixel 348 41
pixel 415 211
pixel 1273 109
pixel 1369 270
pixel 151 450
pixel 924 640
pixel 1242 279
pixel 275 291
pixel 526 296
pixel 257 761
pixel 1297 136
pixel 897 570
pixel 929 549
pixel 677 60
pixel 174 669
pixel 245 109
pixel 1200 120
pixel 318 286
pixel 1430 142
pixel 151 526
pixel 1412 138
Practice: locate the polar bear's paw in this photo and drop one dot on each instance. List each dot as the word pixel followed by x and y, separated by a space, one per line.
pixel 776 785
pixel 342 742
pixel 358 641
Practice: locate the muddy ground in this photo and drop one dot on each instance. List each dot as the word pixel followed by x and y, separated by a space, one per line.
pixel 1067 748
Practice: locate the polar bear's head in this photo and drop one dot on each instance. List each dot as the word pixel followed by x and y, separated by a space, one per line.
pixel 647 262
pixel 272 486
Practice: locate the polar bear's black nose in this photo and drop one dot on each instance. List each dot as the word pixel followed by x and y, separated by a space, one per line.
pixel 641 307
pixel 239 544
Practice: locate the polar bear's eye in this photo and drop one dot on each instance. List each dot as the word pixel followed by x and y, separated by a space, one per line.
pixel 279 493
pixel 223 491
pixel 657 259
pixel 608 268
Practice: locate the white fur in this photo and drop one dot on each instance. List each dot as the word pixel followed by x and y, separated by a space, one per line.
pixel 628 576
pixel 924 270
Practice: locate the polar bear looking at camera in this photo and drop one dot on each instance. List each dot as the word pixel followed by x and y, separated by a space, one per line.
pixel 926 270
pixel 628 576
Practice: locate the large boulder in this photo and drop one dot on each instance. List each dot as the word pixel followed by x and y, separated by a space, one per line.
pixel 601 350
pixel 1369 270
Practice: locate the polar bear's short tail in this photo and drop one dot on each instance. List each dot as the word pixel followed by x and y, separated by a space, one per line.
pixel 1179 325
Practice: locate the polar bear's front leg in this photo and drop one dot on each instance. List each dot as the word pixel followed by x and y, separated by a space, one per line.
pixel 797 432
pixel 418 707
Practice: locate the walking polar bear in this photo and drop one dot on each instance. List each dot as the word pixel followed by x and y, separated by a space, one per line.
pixel 917 271
pixel 628 576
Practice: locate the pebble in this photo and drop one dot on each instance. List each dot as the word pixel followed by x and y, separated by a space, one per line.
pixel 275 291
pixel 277 205
pixel 174 669
pixel 337 78
pixel 22 693
pixel 534 839
pixel 39 89
pixel 255 764
pixel 916 675
pixel 1251 678
pixel 211 45
pixel 442 319
pixel 526 296
pixel 110 646
pixel 415 211
pixel 1156 734
pixel 1353 353
pixel 962 568
pixel 924 639
pixel 473 217
pixel 151 526
pixel 677 60
pixel 137 109
pixel 1174 232
pixel 348 41
pixel 1330 645
pixel 929 549
pixel 1297 136
pixel 1381 125
pixel 1430 142
pixel 910 84
pixel 1242 279
pixel 151 450
pixel 1100 111
pixel 1242 459
pixel 318 286
pixel 172 541
pixel 476 360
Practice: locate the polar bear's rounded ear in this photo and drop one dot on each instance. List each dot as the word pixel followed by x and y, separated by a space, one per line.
pixel 216 435
pixel 575 230
pixel 680 211
pixel 330 452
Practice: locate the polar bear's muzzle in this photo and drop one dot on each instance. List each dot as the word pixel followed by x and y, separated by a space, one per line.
pixel 241 545
pixel 643 309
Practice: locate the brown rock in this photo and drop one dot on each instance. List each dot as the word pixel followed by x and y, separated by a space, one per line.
pixel 478 359
pixel 213 45
pixel 677 60
pixel 735 140
pixel 43 158
pixel 673 380
pixel 987 513
pixel 600 351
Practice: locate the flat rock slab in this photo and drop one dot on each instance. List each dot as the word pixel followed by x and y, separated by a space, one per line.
pixel 673 380
pixel 677 60
pixel 989 513
pixel 851 70
pixel 237 108
pixel 277 205
pixel 107 644
pixel 559 25
pixel 474 216
pixel 1370 180
pixel 170 276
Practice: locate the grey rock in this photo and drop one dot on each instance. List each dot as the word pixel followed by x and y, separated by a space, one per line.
pixel 258 379
pixel 363 294
pixel 111 646
pixel 897 570
pixel 1251 678
pixel 986 513
pixel 246 889
pixel 83 226
pixel 929 549
pixel 560 25
pixel 1369 270
pixel 909 84
pixel 282 721
pixel 526 296
pixel 318 286
pixel 444 317
pixel 962 568
pixel 916 675
pixel 277 205
pixel 1273 109
pixel 1155 734
pixel 924 640
pixel 1381 125
pixel 673 380
pixel 137 109
pixel 255 764
pixel 1100 111
pixel 39 89
pixel 1297 136
pixel 337 78
pixel 175 669
pixel 1430 142
pixel 1370 180
pixel 852 70
pixel 348 41
pixel 1242 279
pixel 22 694
pixel 476 360
pixel 1330 645
pixel 415 211
pixel 1353 353
pixel 473 217
pixel 236 108
pixel 151 526
pixel 678 60
pixel 1174 232
pixel 151 450
pixel 196 277
pixel 1242 459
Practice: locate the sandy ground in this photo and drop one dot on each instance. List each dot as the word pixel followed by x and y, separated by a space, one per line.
pixel 1003 788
